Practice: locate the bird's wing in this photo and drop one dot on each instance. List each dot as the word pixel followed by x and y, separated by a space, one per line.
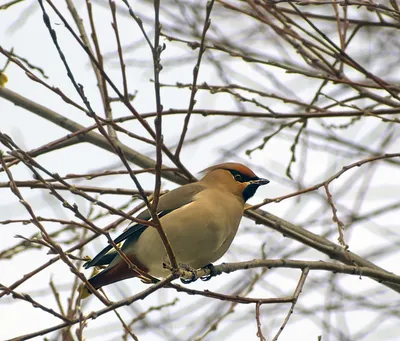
pixel 174 199
pixel 169 202
pixel 105 257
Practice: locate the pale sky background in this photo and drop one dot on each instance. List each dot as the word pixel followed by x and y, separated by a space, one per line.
pixel 30 131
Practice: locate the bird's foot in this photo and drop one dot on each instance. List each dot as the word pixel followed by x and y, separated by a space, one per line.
pixel 212 273
pixel 187 269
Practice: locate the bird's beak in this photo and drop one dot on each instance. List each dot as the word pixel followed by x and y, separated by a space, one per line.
pixel 259 182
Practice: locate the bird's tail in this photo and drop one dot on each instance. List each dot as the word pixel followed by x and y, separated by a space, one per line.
pixel 114 273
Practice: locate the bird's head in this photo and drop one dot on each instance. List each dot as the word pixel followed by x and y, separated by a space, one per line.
pixel 235 178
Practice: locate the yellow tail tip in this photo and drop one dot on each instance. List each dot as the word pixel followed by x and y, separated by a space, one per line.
pixel 83 291
pixel 3 79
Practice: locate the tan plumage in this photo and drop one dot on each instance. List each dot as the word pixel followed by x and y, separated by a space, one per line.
pixel 199 219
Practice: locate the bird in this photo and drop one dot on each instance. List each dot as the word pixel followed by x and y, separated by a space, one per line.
pixel 199 219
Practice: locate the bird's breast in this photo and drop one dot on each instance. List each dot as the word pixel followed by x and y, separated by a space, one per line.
pixel 199 232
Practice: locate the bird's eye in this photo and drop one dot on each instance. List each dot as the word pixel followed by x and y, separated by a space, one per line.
pixel 238 177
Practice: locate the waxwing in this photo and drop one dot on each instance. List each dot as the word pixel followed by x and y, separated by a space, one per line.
pixel 200 220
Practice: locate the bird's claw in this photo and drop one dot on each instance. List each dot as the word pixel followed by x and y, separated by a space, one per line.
pixel 194 277
pixel 188 281
pixel 212 273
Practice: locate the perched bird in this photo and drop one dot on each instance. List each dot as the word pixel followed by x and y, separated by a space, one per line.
pixel 200 220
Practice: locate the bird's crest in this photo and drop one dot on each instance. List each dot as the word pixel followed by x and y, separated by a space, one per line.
pixel 242 169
